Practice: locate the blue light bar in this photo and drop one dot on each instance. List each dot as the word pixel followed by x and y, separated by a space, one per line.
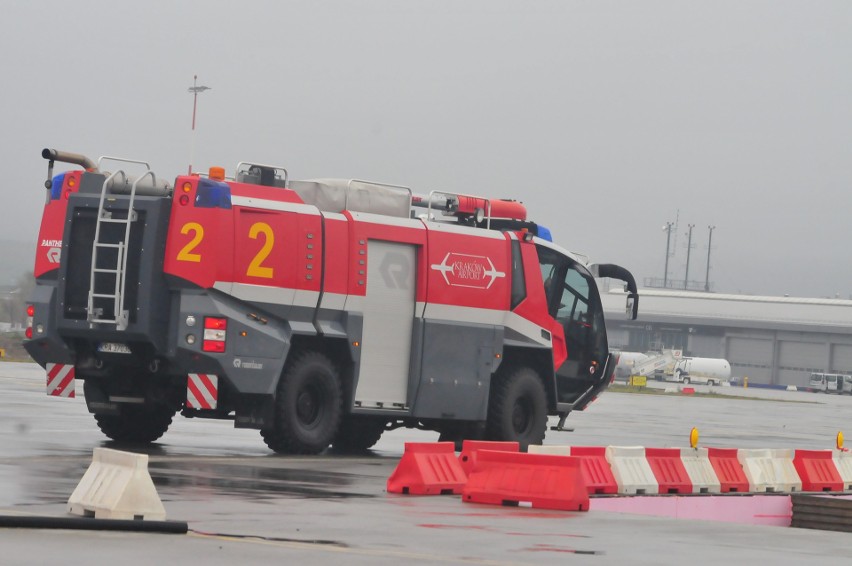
pixel 212 194
pixel 56 186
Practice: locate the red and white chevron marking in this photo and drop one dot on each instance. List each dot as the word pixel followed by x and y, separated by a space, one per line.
pixel 202 391
pixel 60 380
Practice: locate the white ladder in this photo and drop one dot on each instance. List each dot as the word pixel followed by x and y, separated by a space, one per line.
pixel 100 289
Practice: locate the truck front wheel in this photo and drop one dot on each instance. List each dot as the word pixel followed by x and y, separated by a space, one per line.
pixel 517 408
pixel 358 434
pixel 308 406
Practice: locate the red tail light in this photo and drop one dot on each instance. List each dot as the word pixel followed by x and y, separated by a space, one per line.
pixel 215 334
pixel 215 323
pixel 213 346
pixel 28 333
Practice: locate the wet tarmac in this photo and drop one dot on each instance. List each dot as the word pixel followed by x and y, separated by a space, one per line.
pixel 245 505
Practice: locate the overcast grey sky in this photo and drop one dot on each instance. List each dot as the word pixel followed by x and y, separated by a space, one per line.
pixel 605 118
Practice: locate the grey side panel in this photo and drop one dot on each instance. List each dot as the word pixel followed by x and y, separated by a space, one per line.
pixel 252 363
pixel 388 321
pixel 458 360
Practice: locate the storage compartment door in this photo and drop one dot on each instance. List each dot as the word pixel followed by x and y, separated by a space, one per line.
pixel 388 323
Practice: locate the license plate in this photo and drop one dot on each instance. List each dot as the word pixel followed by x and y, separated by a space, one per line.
pixel 113 348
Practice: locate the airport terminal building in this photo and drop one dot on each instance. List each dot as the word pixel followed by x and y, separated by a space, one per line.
pixel 771 340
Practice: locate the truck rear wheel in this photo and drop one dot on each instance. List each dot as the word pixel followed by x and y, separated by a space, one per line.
pixel 358 434
pixel 308 406
pixel 136 424
pixel 133 424
pixel 517 408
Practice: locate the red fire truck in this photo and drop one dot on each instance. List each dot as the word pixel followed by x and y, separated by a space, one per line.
pixel 319 312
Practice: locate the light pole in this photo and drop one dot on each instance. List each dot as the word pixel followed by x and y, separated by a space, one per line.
pixel 194 89
pixel 688 250
pixel 709 247
pixel 668 230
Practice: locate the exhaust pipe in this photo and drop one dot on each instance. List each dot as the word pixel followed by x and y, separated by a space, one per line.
pixel 66 157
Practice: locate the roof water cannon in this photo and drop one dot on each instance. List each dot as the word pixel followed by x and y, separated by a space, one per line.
pixel 472 209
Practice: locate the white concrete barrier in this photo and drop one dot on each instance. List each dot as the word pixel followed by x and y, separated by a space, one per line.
pixel 553 450
pixel 117 485
pixel 770 470
pixel 700 470
pixel 843 462
pixel 631 470
pixel 792 388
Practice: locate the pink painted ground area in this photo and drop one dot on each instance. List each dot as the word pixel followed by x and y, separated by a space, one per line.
pixel 773 510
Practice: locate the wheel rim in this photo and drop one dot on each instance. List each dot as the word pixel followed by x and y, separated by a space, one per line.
pixel 522 415
pixel 309 405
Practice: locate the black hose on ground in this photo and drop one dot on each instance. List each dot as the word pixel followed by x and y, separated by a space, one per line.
pixel 91 524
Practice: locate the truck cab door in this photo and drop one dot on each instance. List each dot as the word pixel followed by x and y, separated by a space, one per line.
pixel 574 303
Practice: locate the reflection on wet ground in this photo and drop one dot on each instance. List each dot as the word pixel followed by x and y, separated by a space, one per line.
pixel 254 479
pixel 51 480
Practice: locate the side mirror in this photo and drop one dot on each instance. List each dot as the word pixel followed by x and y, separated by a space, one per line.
pixel 617 272
pixel 632 305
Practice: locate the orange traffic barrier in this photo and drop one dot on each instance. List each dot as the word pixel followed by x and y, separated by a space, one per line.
pixel 427 468
pixel 467 457
pixel 726 464
pixel 596 471
pixel 541 481
pixel 669 470
pixel 817 470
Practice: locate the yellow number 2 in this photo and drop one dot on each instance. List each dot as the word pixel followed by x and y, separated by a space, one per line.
pixel 186 253
pixel 255 268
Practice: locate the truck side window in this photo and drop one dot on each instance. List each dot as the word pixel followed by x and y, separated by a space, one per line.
pixel 551 265
pixel 519 283
pixel 580 315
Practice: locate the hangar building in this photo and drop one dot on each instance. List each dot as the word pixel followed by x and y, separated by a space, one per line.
pixel 771 340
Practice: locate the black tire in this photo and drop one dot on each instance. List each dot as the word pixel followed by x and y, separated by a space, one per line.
pixel 136 424
pixel 358 434
pixel 308 406
pixel 458 432
pixel 517 407
pixel 686 381
pixel 133 424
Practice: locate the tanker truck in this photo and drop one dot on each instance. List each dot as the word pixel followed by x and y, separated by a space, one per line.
pixel 709 371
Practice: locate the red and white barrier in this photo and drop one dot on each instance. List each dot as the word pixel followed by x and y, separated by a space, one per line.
pixel 770 470
pixel 516 477
pixel 596 470
pixel 817 471
pixel 696 461
pixel 729 471
pixel 843 462
pixel 631 470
